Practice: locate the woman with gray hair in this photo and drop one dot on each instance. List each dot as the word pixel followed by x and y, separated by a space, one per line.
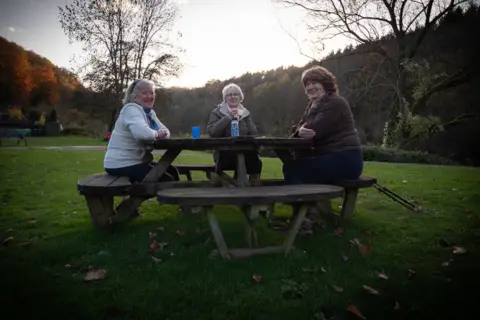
pixel 219 125
pixel 126 154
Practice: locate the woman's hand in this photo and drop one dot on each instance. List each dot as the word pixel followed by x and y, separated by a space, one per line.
pixel 161 133
pixel 306 133
pixel 234 112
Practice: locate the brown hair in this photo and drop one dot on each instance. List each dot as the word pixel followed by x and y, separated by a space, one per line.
pixel 322 75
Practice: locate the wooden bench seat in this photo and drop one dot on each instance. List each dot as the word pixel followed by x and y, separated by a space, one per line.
pixel 100 189
pixel 185 169
pixel 351 191
pixel 247 199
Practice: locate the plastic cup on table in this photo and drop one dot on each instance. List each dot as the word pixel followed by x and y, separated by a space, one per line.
pixel 196 132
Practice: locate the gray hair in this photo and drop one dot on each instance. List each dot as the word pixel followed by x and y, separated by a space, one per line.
pixel 134 87
pixel 230 88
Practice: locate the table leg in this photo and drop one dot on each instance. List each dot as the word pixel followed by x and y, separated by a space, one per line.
pixel 217 234
pixel 126 208
pixel 292 233
pixel 242 170
pixel 250 231
pixel 283 155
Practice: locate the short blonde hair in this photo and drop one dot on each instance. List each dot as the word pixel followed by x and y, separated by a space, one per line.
pixel 231 88
pixel 134 87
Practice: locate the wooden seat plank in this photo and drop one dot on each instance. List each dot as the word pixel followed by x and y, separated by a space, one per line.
pixel 362 182
pixel 249 196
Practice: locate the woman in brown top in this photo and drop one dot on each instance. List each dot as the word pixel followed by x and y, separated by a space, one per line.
pixel 328 120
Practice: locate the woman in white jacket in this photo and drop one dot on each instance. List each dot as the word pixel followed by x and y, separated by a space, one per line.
pixel 126 154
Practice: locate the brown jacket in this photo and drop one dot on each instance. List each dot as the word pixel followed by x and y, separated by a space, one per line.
pixel 332 120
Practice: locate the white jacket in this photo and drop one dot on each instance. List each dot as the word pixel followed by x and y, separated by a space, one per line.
pixel 126 147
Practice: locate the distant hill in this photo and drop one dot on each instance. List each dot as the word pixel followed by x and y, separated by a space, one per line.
pixel 28 79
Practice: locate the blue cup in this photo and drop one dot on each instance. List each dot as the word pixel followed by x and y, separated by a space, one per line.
pixel 196 132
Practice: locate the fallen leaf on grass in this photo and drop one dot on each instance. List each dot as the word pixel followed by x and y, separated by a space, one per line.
pixel 338 232
pixel 154 246
pixel 445 264
pixel 32 221
pixel 411 273
pixel 323 270
pixel 370 290
pixel 345 258
pixel 180 232
pixel 152 235
pixel 459 250
pixel 172 254
pixel 383 276
pixel 257 278
pixel 161 229
pixel 68 266
pixel 8 230
pixel 353 309
pixel 7 240
pixel 156 260
pixel 337 288
pixel 93 275
pixel 307 270
pixel 24 244
pixel 364 249
pixel 397 306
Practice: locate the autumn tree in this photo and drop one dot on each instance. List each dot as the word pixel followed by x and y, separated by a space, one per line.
pixel 391 31
pixel 122 40
pixel 45 85
pixel 21 80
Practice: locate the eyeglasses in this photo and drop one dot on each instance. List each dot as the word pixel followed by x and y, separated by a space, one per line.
pixel 234 94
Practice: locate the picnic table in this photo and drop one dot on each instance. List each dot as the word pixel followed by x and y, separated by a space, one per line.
pixel 221 189
pixel 238 192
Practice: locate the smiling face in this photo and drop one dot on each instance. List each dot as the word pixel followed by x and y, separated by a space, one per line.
pixel 233 99
pixel 314 89
pixel 145 97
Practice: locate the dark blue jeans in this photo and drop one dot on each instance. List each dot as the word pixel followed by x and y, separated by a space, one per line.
pixel 227 160
pixel 138 172
pixel 324 169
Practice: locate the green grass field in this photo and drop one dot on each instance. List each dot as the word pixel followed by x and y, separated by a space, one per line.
pixel 49 244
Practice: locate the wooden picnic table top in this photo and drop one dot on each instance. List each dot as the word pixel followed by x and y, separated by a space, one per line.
pixel 231 143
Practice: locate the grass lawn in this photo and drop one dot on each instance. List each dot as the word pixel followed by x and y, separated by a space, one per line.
pixel 49 244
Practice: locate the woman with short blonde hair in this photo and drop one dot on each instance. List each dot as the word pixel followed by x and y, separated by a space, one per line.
pixel 219 125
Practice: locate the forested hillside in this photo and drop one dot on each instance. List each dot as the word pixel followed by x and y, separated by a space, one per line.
pixel 443 91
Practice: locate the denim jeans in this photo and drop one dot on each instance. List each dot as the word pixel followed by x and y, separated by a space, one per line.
pixel 324 169
pixel 138 172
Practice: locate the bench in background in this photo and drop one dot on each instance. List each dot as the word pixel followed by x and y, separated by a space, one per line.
pixel 14 133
